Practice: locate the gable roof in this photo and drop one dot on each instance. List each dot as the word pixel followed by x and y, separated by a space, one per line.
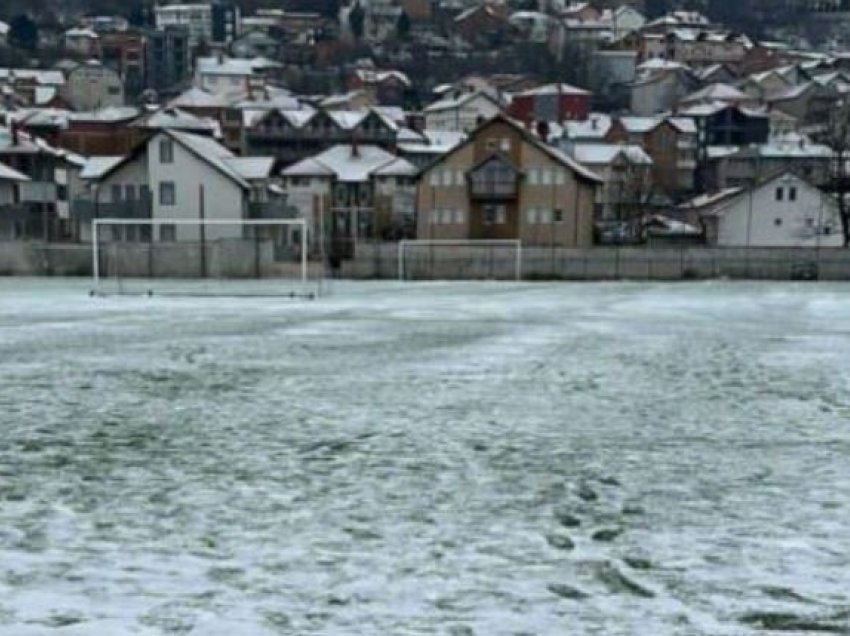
pixel 349 166
pixel 562 158
pixel 10 174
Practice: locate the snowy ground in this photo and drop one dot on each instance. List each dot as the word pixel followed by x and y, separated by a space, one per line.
pixel 409 459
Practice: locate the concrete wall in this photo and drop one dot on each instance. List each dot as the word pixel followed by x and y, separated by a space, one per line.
pixel 234 259
pixel 638 263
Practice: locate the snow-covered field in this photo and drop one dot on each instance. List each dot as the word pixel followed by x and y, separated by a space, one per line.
pixel 488 459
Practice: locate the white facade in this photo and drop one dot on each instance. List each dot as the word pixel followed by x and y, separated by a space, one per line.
pixel 197 18
pixel 460 114
pixel 784 212
pixel 92 86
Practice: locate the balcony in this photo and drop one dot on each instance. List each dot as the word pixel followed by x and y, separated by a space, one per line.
pixel 86 209
pixel 494 190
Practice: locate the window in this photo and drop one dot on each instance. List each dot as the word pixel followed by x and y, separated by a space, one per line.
pixel 167 232
pixel 531 216
pixel 495 215
pixel 459 178
pixel 435 217
pixel 558 216
pixel 492 145
pixel 130 192
pixel 546 176
pixel 533 176
pixel 447 177
pixel 545 216
pixel 792 194
pixel 447 216
pixel 777 222
pixel 166 151
pixel 116 193
pixel 434 179
pixel 166 193
pixel 505 144
pixel 810 222
pixel 780 194
pixel 560 177
pixel 459 217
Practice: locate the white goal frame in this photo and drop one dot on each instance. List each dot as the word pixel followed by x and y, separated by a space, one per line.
pixel 404 243
pixel 99 222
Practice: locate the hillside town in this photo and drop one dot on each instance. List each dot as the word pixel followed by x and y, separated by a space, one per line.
pixel 553 123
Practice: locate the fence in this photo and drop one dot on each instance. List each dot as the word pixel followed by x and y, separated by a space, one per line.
pixel 380 260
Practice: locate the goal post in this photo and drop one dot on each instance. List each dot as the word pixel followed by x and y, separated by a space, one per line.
pixel 171 255
pixel 441 248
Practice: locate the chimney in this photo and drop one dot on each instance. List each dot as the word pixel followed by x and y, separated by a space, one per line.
pixel 355 148
pixel 543 130
pixel 594 123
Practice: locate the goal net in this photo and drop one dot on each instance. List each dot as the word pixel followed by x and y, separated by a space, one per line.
pixel 446 259
pixel 206 257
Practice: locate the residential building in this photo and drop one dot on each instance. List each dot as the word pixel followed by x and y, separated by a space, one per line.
pixel 168 58
pixel 483 25
pixel 750 165
pixel 386 87
pixel 11 215
pixel 228 75
pixel 550 103
pixel 124 52
pixel 82 42
pixel 177 175
pixel 626 172
pixel 291 135
pixel 92 86
pixel 215 22
pixel 352 192
pixel 461 111
pixel 660 87
pixel 504 183
pixel 783 211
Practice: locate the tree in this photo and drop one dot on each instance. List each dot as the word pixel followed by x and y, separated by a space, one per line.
pixel 357 20
pixel 402 27
pixel 837 137
pixel 23 32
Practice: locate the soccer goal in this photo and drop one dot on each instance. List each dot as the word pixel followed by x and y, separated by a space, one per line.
pixel 472 259
pixel 205 257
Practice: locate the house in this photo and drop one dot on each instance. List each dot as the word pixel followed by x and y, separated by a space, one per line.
pixel 92 86
pixel 215 22
pixel 626 172
pixel 44 195
pixel 82 42
pixel 660 87
pixel 167 58
pixel 10 217
pixel 671 143
pixel 229 75
pixel 387 87
pixel 461 112
pixel 177 175
pixel 351 192
pixel 422 149
pixel 550 103
pixel 504 183
pixel 482 25
pixel 791 152
pixel 721 124
pixel 291 135
pixel 782 211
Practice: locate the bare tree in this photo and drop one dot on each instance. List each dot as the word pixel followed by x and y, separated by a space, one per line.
pixel 837 136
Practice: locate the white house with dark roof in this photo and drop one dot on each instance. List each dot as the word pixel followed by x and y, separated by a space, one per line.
pixel 783 211
pixel 179 175
pixel 461 111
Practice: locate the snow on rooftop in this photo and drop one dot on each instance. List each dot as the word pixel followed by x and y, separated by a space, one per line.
pixel 350 164
pixel 595 154
pixel 96 167
pixel 10 174
pixel 554 89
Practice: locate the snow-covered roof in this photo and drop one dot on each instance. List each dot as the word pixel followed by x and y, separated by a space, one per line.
pixel 4 28
pixel 717 92
pixel 10 174
pixel 198 97
pixel 210 151
pixel 596 126
pixel 457 101
pixel 639 125
pixel 81 33
pixel 351 164
pixel 709 199
pixel 251 168
pixel 684 125
pixel 232 65
pixel 43 77
pixel 604 154
pixel 369 76
pixel 96 167
pixel 554 89
pixel 176 118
